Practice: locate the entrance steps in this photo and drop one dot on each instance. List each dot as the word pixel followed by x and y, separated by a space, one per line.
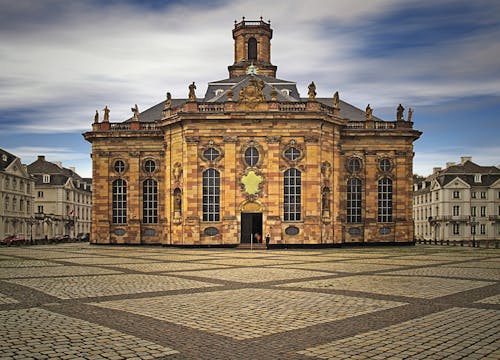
pixel 256 246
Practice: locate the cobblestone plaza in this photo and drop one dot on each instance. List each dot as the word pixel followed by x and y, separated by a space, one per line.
pixel 76 301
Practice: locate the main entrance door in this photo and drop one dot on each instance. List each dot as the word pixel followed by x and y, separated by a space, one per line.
pixel 251 224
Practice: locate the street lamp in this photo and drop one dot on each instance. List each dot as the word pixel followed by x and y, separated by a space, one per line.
pixel 31 221
pixel 473 223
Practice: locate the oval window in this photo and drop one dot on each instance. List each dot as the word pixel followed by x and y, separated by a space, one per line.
pixel 149 166
pixel 385 165
pixel 211 231
pixel 354 231
pixel 354 165
pixel 385 230
pixel 211 154
pixel 251 156
pixel 119 232
pixel 292 153
pixel 119 166
pixel 292 230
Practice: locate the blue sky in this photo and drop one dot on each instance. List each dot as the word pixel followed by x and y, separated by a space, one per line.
pixel 61 60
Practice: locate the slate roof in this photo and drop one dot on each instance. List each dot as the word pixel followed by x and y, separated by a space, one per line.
pixel 347 111
pixel 5 163
pixel 58 175
pixel 465 171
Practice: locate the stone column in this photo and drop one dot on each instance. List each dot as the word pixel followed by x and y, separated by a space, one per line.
pixel 273 200
pixel 134 197
pixel 191 198
pixel 228 192
pixel 311 191
pixel 101 199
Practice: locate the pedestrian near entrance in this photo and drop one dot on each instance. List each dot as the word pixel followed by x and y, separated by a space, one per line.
pixel 268 240
pixel 258 238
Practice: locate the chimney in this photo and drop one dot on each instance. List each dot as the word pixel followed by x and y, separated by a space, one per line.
pixel 463 159
pixel 58 163
pixel 436 170
pixel 72 168
pixel 448 164
pixel 41 157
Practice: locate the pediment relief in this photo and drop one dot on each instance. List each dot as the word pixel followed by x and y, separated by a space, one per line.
pixel 457 183
pixel 252 97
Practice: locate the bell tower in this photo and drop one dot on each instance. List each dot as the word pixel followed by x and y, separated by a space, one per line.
pixel 252 48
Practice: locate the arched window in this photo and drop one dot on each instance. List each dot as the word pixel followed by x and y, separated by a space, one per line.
pixel 252 49
pixel 150 202
pixel 385 200
pixel 293 189
pixel 211 195
pixel 119 201
pixel 354 200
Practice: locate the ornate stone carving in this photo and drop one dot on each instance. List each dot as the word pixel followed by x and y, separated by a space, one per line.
pixel 336 100
pixel 135 110
pixel 311 91
pixel 230 139
pixel 273 139
pixel 106 114
pixel 253 94
pixel 369 113
pixel 177 172
pixel 192 94
pixel 312 139
pixel 252 183
pixel 326 170
pixel 400 113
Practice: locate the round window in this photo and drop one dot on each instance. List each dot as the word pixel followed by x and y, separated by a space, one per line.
pixel 211 154
pixel 251 156
pixel 292 153
pixel 354 165
pixel 149 166
pixel 119 166
pixel 385 165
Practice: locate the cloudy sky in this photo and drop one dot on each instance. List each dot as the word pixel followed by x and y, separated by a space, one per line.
pixel 61 60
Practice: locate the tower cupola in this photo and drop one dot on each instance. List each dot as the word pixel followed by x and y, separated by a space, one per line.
pixel 252 48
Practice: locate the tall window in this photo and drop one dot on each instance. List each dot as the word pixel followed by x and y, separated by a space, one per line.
pixel 353 200
pixel 119 201
pixel 482 228
pixel 211 195
pixel 456 194
pixel 456 229
pixel 292 188
pixel 385 200
pixel 150 201
pixel 473 211
pixel 456 210
pixel 252 49
pixel 483 211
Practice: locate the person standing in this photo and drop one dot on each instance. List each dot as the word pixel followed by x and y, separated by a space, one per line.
pixel 268 240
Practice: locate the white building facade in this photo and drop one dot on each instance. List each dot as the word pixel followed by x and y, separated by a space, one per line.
pixel 16 197
pixel 62 200
pixel 458 203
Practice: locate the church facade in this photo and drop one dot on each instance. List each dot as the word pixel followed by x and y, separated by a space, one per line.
pixel 252 157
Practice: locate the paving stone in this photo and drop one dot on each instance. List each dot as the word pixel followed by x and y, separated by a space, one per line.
pixel 250 313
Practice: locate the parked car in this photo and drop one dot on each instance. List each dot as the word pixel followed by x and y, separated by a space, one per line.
pixel 83 237
pixel 61 238
pixel 13 239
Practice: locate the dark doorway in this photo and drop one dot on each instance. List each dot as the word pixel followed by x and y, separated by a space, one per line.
pixel 251 224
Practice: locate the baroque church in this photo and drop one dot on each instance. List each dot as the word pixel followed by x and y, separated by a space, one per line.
pixel 252 157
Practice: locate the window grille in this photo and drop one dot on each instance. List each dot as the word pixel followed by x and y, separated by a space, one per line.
pixel 211 195
pixel 292 195
pixel 119 189
pixel 385 200
pixel 354 200
pixel 150 202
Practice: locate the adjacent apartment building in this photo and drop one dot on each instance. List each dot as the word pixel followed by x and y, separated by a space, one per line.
pixel 62 202
pixel 459 202
pixel 16 197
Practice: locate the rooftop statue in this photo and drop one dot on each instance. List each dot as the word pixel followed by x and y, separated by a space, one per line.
pixel 106 114
pixel 369 113
pixel 312 91
pixel 192 95
pixel 399 113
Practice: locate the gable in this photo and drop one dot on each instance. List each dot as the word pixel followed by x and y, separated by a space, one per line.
pixel 457 183
pixel 17 168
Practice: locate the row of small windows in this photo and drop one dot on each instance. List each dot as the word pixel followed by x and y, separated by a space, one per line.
pixel 354 165
pixel 15 186
pixel 212 154
pixel 14 205
pixel 120 167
